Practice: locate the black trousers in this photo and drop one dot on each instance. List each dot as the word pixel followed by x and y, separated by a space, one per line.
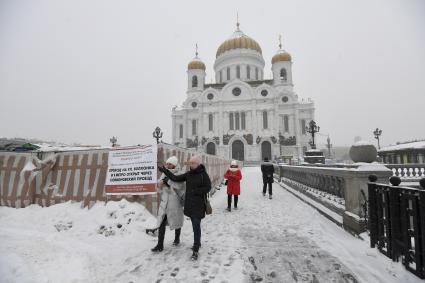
pixel 265 188
pixel 161 232
pixel 229 200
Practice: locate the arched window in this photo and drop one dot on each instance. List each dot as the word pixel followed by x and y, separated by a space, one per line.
pixel 193 127
pixel 181 131
pixel 243 120
pixel 231 121
pixel 265 121
pixel 210 122
pixel 286 123
pixel 237 120
pixel 303 130
pixel 194 81
pixel 221 76
pixel 248 72
pixel 256 74
pixel 283 74
pixel 228 74
pixel 238 72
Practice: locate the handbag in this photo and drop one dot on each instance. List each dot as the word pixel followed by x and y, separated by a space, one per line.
pixel 225 182
pixel 208 208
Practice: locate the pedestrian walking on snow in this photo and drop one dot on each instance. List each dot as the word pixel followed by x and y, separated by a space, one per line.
pixel 233 176
pixel 198 185
pixel 267 169
pixel 170 211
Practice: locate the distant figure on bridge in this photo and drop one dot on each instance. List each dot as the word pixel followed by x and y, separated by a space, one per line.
pixel 170 209
pixel 233 176
pixel 198 185
pixel 267 169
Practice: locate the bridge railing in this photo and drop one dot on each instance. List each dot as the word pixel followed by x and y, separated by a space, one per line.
pixel 397 222
pixel 349 183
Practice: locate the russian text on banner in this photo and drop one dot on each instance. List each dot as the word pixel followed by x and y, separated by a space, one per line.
pixel 132 171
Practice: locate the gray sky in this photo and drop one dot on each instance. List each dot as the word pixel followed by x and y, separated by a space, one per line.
pixel 82 71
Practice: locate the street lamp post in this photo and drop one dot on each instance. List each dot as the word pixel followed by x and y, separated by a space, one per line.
pixel 329 145
pixel 377 133
pixel 312 128
pixel 157 134
pixel 113 140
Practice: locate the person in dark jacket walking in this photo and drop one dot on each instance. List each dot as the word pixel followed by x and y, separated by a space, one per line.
pixel 198 185
pixel 267 169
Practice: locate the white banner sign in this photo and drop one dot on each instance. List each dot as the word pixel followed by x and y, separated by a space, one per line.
pixel 132 171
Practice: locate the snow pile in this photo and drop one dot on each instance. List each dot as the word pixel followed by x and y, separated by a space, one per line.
pixel 65 243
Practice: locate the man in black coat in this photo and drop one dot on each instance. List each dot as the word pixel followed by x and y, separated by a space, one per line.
pixel 198 185
pixel 267 169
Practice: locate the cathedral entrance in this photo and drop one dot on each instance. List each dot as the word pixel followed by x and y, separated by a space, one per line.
pixel 211 148
pixel 238 150
pixel 266 150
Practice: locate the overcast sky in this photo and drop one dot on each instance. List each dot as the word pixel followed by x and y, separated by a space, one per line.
pixel 82 71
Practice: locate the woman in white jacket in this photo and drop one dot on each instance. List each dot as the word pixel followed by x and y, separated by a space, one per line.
pixel 170 210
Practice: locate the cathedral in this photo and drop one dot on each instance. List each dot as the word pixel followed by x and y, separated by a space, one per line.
pixel 243 115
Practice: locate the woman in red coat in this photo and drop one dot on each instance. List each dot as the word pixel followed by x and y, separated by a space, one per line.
pixel 233 176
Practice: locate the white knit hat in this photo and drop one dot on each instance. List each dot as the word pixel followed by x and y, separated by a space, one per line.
pixel 172 160
pixel 234 162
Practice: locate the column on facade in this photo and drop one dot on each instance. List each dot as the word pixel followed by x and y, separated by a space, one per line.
pixel 220 122
pixel 174 129
pixel 297 132
pixel 185 127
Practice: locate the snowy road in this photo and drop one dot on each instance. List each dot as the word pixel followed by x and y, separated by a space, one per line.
pixel 278 240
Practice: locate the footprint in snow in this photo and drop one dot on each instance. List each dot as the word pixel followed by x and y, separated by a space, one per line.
pixel 175 272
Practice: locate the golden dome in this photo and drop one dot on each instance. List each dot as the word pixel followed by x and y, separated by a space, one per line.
pixel 281 56
pixel 196 64
pixel 238 41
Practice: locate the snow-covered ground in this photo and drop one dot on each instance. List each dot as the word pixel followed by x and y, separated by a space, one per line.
pixel 278 240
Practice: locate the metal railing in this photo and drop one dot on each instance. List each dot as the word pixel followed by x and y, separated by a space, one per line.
pixel 397 222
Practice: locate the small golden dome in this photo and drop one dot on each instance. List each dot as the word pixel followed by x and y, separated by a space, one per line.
pixel 238 41
pixel 196 64
pixel 281 56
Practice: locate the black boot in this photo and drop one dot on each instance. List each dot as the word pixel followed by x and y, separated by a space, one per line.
pixel 161 234
pixel 158 248
pixel 177 237
pixel 194 255
pixel 195 252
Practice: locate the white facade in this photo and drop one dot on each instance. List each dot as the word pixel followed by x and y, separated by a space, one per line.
pixel 242 115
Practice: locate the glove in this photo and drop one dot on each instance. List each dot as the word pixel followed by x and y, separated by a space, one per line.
pixel 161 169
pixel 165 180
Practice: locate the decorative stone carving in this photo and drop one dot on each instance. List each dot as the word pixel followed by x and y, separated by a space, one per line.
pixel 258 140
pixel 274 139
pixel 249 138
pixel 226 138
pixel 204 140
pixel 192 143
pixel 216 140
pixel 287 141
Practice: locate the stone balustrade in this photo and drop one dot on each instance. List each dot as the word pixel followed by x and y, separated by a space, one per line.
pixel 350 183
pixel 408 172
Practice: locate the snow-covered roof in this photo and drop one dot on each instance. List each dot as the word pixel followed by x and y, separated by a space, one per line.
pixel 404 146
